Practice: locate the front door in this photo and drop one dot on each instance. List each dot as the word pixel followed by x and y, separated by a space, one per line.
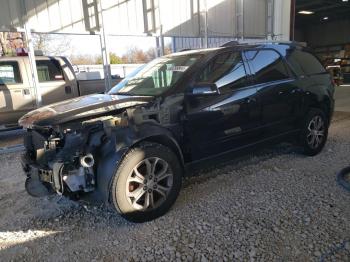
pixel 218 123
pixel 16 94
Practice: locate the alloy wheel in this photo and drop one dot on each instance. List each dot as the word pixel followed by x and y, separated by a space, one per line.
pixel 149 183
pixel 316 132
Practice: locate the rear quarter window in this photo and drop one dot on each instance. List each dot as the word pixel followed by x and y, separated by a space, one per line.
pixel 305 63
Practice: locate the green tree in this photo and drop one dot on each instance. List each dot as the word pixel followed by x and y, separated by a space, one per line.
pixel 113 58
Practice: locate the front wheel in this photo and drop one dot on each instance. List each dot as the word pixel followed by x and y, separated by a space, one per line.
pixel 147 182
pixel 314 132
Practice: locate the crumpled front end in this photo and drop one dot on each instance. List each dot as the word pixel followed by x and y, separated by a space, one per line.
pixel 79 156
pixel 64 164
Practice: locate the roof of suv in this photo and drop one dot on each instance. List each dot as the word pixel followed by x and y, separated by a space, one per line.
pixel 243 46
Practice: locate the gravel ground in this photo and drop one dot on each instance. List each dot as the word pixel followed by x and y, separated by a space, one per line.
pixel 11 138
pixel 271 205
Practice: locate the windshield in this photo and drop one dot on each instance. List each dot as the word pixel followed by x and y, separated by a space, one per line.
pixel 155 77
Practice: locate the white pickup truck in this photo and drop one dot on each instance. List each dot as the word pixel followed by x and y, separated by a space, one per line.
pixel 57 82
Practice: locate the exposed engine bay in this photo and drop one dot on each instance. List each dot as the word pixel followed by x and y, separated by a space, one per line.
pixel 71 158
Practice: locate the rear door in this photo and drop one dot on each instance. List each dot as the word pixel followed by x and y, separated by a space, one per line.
pixel 16 94
pixel 278 92
pixel 312 77
pixel 220 123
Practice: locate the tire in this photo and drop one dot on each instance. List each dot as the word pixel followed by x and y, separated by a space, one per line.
pixel 343 178
pixel 136 193
pixel 314 132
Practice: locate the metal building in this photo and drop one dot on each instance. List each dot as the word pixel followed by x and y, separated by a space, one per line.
pixel 198 23
pixel 190 18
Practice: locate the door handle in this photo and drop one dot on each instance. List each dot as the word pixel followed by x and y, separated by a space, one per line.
pixel 68 89
pixel 25 92
pixel 281 93
pixel 297 90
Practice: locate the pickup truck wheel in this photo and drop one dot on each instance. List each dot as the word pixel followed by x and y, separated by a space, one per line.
pixel 147 182
pixel 314 132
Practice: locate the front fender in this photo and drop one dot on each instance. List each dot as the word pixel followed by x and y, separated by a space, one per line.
pixel 119 143
pixel 107 167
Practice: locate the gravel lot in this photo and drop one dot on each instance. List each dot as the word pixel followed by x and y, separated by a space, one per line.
pixel 271 205
pixel 11 138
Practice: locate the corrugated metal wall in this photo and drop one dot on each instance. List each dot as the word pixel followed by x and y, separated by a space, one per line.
pixel 255 18
pixel 10 14
pixel 180 43
pixel 225 18
pixel 181 17
pixel 221 18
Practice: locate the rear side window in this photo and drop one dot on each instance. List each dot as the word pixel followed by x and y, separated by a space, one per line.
pixel 49 70
pixel 226 71
pixel 9 73
pixel 305 63
pixel 267 65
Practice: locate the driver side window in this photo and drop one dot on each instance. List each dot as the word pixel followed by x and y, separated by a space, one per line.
pixel 226 71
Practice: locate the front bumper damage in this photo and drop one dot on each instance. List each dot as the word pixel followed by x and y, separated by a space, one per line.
pixel 55 166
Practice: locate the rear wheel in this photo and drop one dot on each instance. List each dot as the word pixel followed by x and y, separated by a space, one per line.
pixel 147 182
pixel 314 132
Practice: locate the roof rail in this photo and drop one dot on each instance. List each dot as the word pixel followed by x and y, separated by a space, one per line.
pixel 233 43
pixel 303 44
pixel 185 49
pixel 230 43
pixel 236 43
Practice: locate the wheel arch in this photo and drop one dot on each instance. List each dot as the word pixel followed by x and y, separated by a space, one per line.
pixel 109 162
pixel 324 104
pixel 164 140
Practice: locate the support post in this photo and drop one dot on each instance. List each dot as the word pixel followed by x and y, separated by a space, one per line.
pixel 205 24
pixel 160 38
pixel 161 41
pixel 270 20
pixel 292 20
pixel 105 53
pixel 32 63
pixel 240 19
pixel 157 46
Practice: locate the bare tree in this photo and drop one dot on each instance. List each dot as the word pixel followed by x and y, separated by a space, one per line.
pixel 3 43
pixel 134 55
pixel 151 53
pixel 83 59
pixel 51 44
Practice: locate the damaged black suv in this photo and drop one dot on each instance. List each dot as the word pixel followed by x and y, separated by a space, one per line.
pixel 132 146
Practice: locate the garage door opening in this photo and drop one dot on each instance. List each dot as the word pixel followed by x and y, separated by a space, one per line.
pixel 324 26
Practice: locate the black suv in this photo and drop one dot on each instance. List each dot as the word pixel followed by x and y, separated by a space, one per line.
pixel 131 147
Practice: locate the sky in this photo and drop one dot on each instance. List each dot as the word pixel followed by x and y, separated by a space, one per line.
pixel 90 44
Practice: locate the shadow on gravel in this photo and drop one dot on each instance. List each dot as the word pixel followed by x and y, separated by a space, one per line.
pixel 74 220
pixel 204 170
pixel 66 214
pixel 20 242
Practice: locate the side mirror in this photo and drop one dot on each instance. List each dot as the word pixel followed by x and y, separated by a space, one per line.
pixel 205 89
